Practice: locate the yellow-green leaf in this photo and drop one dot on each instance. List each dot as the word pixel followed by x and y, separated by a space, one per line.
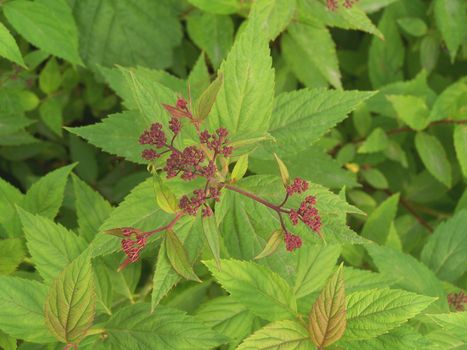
pixel 211 233
pixel 178 257
pixel 283 170
pixel 327 320
pixel 240 168
pixel 165 198
pixel 272 244
pixel 208 98
pixel 71 302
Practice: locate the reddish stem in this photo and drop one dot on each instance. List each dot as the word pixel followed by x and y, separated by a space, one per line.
pixel 277 208
pixel 169 226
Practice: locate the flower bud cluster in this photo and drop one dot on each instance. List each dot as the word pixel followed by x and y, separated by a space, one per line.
pixel 134 242
pixel 333 4
pixel 217 142
pixel 191 205
pixel 292 241
pixel 307 213
pixel 298 186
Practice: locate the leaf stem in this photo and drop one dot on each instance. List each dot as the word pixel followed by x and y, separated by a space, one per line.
pixel 169 226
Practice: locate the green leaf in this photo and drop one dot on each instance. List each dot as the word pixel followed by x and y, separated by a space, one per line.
pixel 460 144
pixel 165 276
pixel 22 309
pixel 377 141
pixel 445 252
pixel 221 7
pixel 246 280
pixel 198 80
pixel 71 303
pixel 274 16
pixel 278 335
pixel 371 313
pixel 91 208
pixel 356 279
pixel 301 117
pixel 284 172
pixel 212 236
pixel 413 26
pixel 411 109
pixel 401 338
pixel 226 316
pixel 409 274
pixel 454 322
pixel 47 24
pixel 240 168
pixel 211 33
pixel 50 77
pixel 12 253
pixel 117 134
pixel 327 320
pixel 450 18
pixel 451 102
pixel 138 210
pixel 46 195
pixel 165 198
pixel 85 155
pixel 8 48
pixel 128 33
pixel 314 13
pixel 434 157
pixel 244 103
pixel 375 178
pixel 315 264
pixel 272 244
pixel 178 257
pixel 319 49
pixel 9 197
pixel 386 57
pixel 51 114
pixel 207 99
pixel 165 328
pixel 7 342
pixel 378 223
pixel 51 245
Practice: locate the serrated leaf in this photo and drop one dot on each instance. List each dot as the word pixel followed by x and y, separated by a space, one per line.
pixel 401 338
pixel 91 208
pixel 212 236
pixel 9 48
pixel 226 316
pixel 165 328
pixel 47 24
pixel 244 102
pixel 211 33
pixel 117 134
pixel 51 245
pixel 148 30
pixel 450 103
pixel 409 274
pixel 12 253
pixel 454 322
pixel 272 244
pixel 434 157
pixel 315 264
pixel 320 50
pixel 208 98
pixel 71 303
pixel 45 196
pixel 378 223
pixel 245 280
pixel 374 312
pixel 460 144
pixel 22 309
pixel 446 249
pixel 222 7
pixel 178 257
pixel 357 279
pixel 327 319
pixel 278 335
pixel 411 109
pixel 451 20
pixel 274 16
pixel 301 117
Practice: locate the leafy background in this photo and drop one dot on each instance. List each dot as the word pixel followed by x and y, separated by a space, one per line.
pixel 80 80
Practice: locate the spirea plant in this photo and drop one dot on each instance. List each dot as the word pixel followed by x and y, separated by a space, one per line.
pixel 205 190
